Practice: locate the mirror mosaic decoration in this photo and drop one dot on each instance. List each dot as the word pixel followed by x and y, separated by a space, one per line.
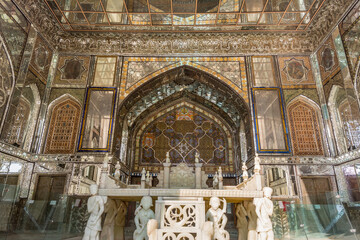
pixel 202 15
pixel 350 35
pixel 98 119
pixel 328 60
pixel 13 32
pixel 41 59
pixel 6 79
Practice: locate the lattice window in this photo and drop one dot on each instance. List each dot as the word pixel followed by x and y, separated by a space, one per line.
pixel 63 127
pixel 19 122
pixel 305 129
pixel 350 116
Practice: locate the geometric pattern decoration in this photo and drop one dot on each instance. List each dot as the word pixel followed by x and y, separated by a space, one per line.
pixel 63 128
pixel 305 129
pixel 72 70
pixel 138 70
pixel 295 70
pixel 182 132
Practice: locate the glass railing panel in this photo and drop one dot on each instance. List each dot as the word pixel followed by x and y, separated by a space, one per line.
pixel 321 221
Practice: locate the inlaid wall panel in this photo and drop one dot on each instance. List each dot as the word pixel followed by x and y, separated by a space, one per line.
pixel 295 71
pixel 41 59
pixel 305 129
pixel 327 58
pixel 63 128
pixel 19 123
pixel 72 70
pixel 6 80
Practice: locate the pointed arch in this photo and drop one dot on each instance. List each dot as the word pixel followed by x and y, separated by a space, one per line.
pixel 242 91
pixel 63 125
pixel 305 127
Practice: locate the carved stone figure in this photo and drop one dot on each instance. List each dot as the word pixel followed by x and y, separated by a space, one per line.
pixel 264 210
pixel 217 215
pixel 197 157
pixel 152 226
pixel 167 159
pixel 108 228
pixel 95 207
pixel 142 215
pixel 251 213
pixel 216 181
pixel 117 171
pixel 114 221
pixel 245 174
pixel 207 231
pixel 120 221
pixel 220 178
pixel 241 222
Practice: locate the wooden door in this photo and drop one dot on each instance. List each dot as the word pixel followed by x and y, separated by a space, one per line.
pixel 315 190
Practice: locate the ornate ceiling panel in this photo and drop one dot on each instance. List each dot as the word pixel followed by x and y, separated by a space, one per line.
pixel 255 40
pixel 188 15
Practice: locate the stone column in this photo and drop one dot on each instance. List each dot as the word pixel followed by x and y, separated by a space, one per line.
pixel 166 174
pixel 198 175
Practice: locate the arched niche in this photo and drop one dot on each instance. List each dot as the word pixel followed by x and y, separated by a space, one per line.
pixel 305 126
pixel 63 120
pixel 180 85
pixel 183 129
pixel 345 117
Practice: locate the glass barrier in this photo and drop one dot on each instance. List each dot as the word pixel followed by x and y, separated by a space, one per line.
pixel 66 217
pixel 21 219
